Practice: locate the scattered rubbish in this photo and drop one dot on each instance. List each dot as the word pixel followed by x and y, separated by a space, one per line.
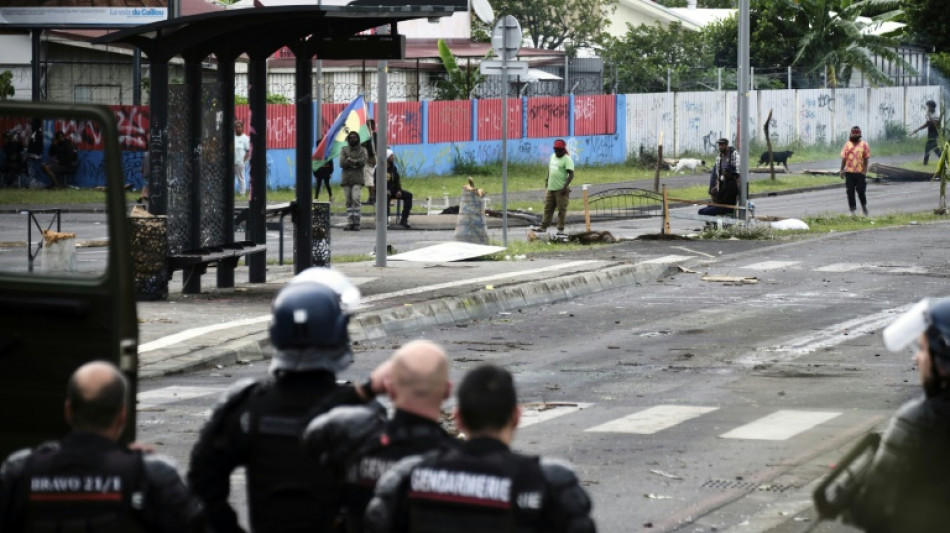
pixel 244 362
pixel 730 279
pixel 657 496
pixel 489 287
pixel 802 519
pixel 685 270
pixel 219 367
pixel 503 313
pixel 648 524
pixel 665 474
pixel 521 257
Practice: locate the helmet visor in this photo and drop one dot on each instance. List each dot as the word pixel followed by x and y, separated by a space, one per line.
pixel 908 327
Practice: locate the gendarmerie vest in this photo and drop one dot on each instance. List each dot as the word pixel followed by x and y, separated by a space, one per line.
pixel 479 488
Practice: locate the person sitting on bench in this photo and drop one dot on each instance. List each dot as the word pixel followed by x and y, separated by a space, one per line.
pixel 395 191
pixel 63 159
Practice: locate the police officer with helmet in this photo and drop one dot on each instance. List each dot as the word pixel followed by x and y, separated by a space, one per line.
pixel 89 482
pixel 481 487
pixel 362 443
pixel 259 422
pixel 908 483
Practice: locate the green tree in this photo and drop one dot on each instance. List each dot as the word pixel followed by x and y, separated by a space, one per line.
pixel 458 83
pixel 559 24
pixel 6 85
pixel 643 57
pixel 927 22
pixel 832 40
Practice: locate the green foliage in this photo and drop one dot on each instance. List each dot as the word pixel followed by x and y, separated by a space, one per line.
pixel 464 164
pixel 941 63
pixel 458 83
pixel 272 98
pixel 6 85
pixel 927 23
pixel 832 40
pixel 894 130
pixel 556 24
pixel 714 4
pixel 642 56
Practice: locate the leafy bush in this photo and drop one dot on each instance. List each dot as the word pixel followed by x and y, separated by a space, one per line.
pixel 464 164
pixel 894 131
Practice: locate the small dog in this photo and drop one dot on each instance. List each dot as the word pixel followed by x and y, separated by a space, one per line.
pixel 777 157
pixel 687 164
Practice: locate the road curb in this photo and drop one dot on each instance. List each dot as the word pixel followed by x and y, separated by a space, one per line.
pixel 255 345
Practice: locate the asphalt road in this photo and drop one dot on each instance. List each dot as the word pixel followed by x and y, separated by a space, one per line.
pixel 762 385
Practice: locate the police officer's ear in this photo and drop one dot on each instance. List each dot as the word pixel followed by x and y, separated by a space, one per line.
pixel 515 417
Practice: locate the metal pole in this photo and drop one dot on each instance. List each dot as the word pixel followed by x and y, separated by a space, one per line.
pixel 137 77
pixel 789 86
pixel 504 135
pixel 719 79
pixel 318 112
pixel 37 69
pixel 669 79
pixel 743 97
pixel 382 200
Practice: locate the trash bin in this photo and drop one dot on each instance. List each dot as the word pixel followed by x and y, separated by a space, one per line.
pixel 149 235
pixel 321 234
pixel 470 226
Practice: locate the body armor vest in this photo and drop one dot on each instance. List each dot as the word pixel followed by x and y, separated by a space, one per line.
pixel 499 492
pixel 287 490
pixel 84 492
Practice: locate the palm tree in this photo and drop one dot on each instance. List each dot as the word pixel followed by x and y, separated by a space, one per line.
pixel 835 40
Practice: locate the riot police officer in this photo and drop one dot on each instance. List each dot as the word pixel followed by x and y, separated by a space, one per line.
pixel 481 487
pixel 908 484
pixel 259 422
pixel 88 482
pixel 362 443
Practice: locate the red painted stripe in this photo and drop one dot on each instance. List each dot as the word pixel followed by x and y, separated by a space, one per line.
pixel 75 496
pixel 459 499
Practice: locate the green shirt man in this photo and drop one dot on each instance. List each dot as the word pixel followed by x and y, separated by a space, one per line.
pixel 560 175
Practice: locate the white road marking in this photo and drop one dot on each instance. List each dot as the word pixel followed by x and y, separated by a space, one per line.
pixel 652 420
pixel 668 259
pixel 174 393
pixel 188 334
pixel 830 336
pixel 770 265
pixel 780 425
pixel 535 413
pixel 685 249
pixel 839 267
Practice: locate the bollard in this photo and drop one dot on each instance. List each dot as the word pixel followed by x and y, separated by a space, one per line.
pixel 321 234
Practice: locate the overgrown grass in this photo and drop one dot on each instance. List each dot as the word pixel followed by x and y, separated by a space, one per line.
pixel 517 249
pixel 834 222
pixel 56 196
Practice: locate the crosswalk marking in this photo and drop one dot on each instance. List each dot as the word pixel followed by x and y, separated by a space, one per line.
pixel 780 425
pixel 770 265
pixel 535 413
pixel 839 267
pixel 652 420
pixel 174 393
pixel 669 259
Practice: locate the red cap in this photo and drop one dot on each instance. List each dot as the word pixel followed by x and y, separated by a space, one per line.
pixel 560 144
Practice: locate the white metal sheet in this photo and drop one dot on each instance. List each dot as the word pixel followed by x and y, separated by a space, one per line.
pixel 447 252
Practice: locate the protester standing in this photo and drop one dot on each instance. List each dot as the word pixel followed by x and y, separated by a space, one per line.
pixel 558 181
pixel 932 123
pixel 854 168
pixel 353 158
pixel 242 152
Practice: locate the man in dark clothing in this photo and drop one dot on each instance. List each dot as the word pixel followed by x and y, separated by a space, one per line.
pixel 258 423
pixel 63 159
pixel 369 171
pixel 481 487
pixel 932 123
pixel 723 181
pixel 363 445
pixel 88 482
pixel 908 482
pixel 322 176
pixel 395 191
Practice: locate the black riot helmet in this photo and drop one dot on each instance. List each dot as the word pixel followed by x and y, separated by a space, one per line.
pixel 309 329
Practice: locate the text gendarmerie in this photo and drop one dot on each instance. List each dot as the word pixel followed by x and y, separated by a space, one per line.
pixel 461 486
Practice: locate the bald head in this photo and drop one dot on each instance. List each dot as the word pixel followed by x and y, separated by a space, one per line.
pixel 420 373
pixel 96 396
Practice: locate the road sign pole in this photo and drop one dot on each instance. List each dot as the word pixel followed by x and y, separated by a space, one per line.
pixel 504 138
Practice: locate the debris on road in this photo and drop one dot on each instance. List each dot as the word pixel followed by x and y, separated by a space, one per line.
pixel 665 474
pixel 731 279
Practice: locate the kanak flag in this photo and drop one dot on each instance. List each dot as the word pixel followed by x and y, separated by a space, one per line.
pixel 352 118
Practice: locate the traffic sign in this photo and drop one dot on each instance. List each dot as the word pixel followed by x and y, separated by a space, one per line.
pixel 506 37
pixel 493 67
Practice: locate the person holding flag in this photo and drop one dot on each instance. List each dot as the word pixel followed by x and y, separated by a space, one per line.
pixel 343 139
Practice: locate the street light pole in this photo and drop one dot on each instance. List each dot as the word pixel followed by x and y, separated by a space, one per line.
pixel 742 97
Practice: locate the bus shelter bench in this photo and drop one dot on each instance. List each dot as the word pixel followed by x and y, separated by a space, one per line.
pixel 272 211
pixel 195 262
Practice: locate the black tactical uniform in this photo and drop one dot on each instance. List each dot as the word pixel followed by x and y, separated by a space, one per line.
pixel 259 423
pixel 364 445
pixel 908 486
pixel 480 487
pixel 89 483
pixel 908 482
